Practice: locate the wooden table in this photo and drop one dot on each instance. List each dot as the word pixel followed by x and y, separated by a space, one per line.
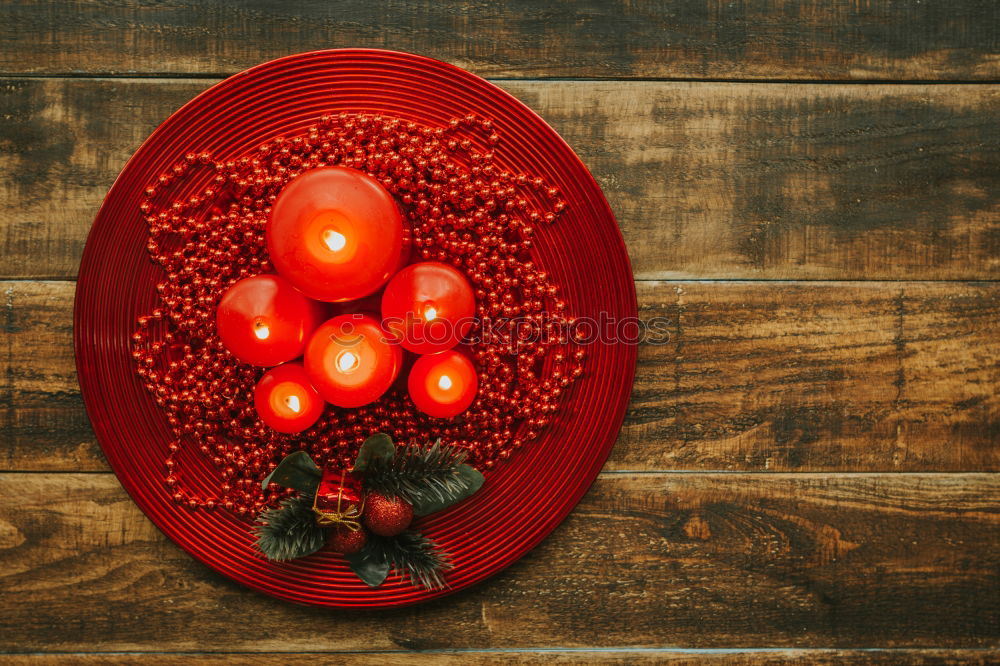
pixel 810 192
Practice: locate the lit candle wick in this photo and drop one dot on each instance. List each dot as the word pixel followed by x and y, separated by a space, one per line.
pixel 293 403
pixel 430 313
pixel 334 240
pixel 444 383
pixel 261 330
pixel 347 361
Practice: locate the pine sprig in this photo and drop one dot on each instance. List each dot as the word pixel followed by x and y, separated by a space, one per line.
pixel 418 473
pixel 430 478
pixel 411 554
pixel 290 531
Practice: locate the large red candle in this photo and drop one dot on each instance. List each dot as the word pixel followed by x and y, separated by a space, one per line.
pixel 429 306
pixel 335 233
pixel 286 400
pixel 350 362
pixel 443 384
pixel 263 320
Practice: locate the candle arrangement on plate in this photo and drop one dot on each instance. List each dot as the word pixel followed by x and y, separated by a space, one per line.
pixel 334 235
pixel 368 276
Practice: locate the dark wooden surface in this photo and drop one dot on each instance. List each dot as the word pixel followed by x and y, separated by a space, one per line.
pixel 758 376
pixel 701 560
pixel 810 192
pixel 709 180
pixel 752 39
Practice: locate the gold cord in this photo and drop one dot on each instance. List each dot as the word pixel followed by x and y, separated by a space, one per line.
pixel 349 518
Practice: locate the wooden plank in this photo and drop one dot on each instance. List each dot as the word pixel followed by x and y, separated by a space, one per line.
pixel 695 560
pixel 42 421
pixel 822 39
pixel 863 376
pixel 679 656
pixel 707 180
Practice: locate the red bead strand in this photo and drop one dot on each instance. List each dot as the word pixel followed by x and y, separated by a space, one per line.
pixel 464 209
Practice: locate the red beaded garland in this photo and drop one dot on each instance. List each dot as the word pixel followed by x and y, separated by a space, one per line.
pixel 461 207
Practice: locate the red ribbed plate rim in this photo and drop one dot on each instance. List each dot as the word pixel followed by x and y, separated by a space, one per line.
pixel 525 498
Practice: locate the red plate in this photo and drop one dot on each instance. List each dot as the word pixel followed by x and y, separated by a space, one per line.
pixel 525 498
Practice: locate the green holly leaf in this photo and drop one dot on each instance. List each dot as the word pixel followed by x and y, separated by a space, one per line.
pixel 297 471
pixel 469 481
pixel 369 569
pixel 378 445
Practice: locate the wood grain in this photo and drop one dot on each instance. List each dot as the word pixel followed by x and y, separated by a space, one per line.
pixel 820 39
pixel 675 657
pixel 42 421
pixel 708 180
pixel 699 560
pixel 865 376
pixel 880 396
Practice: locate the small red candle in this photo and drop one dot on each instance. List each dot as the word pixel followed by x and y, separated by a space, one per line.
pixel 263 320
pixel 286 400
pixel 429 306
pixel 350 361
pixel 443 384
pixel 335 233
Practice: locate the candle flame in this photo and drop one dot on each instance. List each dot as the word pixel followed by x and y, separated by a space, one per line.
pixel 444 383
pixel 347 361
pixel 293 403
pixel 334 240
pixel 261 330
pixel 430 313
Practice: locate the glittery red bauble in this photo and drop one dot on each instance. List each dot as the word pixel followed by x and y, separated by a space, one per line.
pixel 387 516
pixel 348 542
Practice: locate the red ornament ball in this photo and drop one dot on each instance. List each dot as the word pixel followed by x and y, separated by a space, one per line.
pixel 387 516
pixel 348 541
